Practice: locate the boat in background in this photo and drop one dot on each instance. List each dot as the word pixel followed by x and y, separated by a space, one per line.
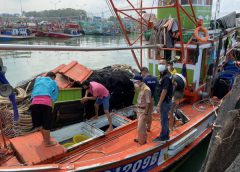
pixel 56 30
pixel 16 33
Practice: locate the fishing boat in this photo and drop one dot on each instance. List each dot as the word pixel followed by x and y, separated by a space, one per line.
pixel 85 146
pixel 16 33
pixel 54 30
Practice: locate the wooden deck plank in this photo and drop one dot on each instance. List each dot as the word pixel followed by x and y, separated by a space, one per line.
pixel 125 141
pixel 32 150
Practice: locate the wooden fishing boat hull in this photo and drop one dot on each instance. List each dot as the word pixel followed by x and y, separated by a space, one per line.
pixel 57 35
pixel 149 157
pixel 13 37
pixel 159 157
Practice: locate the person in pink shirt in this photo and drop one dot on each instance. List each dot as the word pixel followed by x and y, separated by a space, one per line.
pixel 101 95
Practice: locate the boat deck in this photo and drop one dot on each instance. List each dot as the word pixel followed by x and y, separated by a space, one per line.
pixel 114 146
pixel 31 149
pixel 121 141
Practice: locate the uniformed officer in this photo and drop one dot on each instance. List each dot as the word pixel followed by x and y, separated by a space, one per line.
pixel 151 82
pixel 143 104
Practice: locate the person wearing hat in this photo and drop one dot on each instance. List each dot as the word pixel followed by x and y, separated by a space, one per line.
pixel 151 82
pixel 45 91
pixel 171 69
pixel 143 104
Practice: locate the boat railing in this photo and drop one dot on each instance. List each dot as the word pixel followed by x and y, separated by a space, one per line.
pixel 72 48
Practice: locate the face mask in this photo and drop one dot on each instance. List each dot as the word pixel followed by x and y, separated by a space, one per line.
pixel 136 86
pixel 161 68
pixel 169 67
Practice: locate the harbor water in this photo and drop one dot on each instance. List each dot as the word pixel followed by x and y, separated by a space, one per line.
pixel 22 65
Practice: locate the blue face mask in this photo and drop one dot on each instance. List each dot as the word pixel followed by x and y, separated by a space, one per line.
pixel 161 67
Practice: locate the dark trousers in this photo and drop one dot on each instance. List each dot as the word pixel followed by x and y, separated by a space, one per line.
pixel 164 110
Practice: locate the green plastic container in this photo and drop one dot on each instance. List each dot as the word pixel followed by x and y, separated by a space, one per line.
pixel 69 94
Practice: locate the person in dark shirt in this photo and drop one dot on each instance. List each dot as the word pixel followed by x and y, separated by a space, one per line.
pixel 165 100
pixel 151 82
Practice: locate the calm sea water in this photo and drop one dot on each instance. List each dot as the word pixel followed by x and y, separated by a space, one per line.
pixel 24 64
pixel 21 65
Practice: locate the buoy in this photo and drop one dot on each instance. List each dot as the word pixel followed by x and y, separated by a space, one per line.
pixel 204 30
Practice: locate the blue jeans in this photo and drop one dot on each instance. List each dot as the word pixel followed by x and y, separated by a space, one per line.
pixel 104 101
pixel 164 110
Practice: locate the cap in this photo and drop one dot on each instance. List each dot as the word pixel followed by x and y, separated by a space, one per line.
pixel 144 69
pixel 138 78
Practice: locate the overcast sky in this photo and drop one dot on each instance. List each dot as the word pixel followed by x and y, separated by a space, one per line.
pixel 94 7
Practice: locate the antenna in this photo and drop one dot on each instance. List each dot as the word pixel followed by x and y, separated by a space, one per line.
pixel 21 8
pixel 217 12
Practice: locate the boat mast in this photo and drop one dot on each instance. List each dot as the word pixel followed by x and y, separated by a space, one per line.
pixel 124 31
pixel 146 23
pixel 21 8
pixel 217 11
pixel 141 31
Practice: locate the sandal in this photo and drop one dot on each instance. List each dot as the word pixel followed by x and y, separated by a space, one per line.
pixel 135 140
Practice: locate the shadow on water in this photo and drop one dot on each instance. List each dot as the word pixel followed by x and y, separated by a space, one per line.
pixel 193 161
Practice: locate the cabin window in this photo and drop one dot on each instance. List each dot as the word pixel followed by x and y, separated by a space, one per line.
pixel 195 2
pixel 184 2
pixel 150 53
pixel 201 2
pixel 192 56
pixel 209 2
pixel 204 64
pixel 166 2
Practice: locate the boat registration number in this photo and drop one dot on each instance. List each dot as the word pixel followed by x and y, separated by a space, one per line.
pixel 142 165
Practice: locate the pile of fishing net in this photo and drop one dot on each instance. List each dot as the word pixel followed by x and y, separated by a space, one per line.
pixel 10 128
pixel 116 79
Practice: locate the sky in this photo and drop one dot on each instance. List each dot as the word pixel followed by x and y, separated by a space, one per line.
pixel 94 7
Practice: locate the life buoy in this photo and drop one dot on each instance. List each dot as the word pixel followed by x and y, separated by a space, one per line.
pixel 204 30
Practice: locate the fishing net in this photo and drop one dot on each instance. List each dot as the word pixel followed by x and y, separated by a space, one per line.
pixel 116 79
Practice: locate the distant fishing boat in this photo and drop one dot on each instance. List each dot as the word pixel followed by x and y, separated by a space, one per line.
pixel 19 33
pixel 69 30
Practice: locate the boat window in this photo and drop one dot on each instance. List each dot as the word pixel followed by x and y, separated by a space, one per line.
pixel 192 56
pixel 166 2
pixel 184 2
pixel 195 2
pixel 150 53
pixel 199 2
pixel 209 2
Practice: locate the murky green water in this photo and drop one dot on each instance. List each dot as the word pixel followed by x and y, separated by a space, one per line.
pixel 22 65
